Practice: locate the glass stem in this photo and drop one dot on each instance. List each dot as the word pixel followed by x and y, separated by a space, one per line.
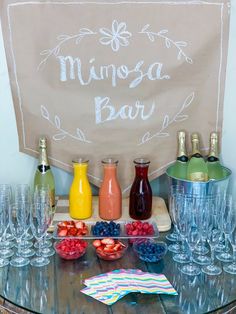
pixel 212 255
pixel 226 243
pixel 234 256
pixel 19 246
pixel 40 246
pixel 191 257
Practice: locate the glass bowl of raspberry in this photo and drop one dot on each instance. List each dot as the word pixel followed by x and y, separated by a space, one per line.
pixel 70 249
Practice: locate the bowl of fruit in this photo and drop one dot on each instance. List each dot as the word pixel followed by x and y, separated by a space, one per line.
pixel 137 229
pixel 70 249
pixel 149 250
pixel 109 249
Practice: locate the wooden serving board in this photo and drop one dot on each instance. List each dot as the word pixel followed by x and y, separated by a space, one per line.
pixel 159 212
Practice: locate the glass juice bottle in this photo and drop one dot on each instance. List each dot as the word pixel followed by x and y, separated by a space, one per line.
pixel 80 197
pixel 140 201
pixel 110 199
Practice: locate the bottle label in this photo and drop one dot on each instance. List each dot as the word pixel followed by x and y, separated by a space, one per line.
pixel 43 168
pixel 198 176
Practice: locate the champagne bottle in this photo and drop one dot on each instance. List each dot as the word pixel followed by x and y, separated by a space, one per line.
pixel 43 175
pixel 215 170
pixel 197 167
pixel 179 169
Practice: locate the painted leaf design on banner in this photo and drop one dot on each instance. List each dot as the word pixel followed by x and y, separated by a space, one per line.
pixel 56 122
pixel 116 36
pixel 178 117
pixel 63 38
pixel 44 112
pixel 168 41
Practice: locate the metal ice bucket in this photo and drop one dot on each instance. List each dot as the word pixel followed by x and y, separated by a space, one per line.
pixel 201 188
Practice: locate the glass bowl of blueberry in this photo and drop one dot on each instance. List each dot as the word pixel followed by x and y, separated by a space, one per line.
pixel 149 250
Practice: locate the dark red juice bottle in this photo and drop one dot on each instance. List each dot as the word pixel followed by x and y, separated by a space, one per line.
pixel 140 200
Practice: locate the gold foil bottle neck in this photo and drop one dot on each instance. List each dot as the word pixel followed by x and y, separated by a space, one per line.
pixel 181 144
pixel 214 145
pixel 43 142
pixel 195 137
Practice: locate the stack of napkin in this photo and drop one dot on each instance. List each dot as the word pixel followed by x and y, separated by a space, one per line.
pixel 112 286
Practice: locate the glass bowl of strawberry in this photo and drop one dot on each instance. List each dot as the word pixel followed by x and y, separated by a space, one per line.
pixel 137 229
pixel 109 249
pixel 70 249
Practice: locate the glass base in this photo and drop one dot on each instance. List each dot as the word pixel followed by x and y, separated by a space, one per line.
pixel 212 270
pixel 220 248
pixel 44 244
pixel 6 253
pixel 172 237
pixel 4 262
pixel 224 257
pixel 9 237
pixel 19 261
pixel 39 261
pixel 25 244
pixel 201 250
pixel 231 269
pixel 175 248
pixel 47 252
pixel 6 245
pixel 202 260
pixel 181 258
pixel 190 270
pixel 28 252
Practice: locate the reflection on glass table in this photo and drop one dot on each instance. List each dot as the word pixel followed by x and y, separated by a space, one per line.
pixel 55 288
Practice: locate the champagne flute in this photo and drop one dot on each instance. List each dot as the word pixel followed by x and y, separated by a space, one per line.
pixel 184 204
pixel 227 227
pixel 174 236
pixel 231 268
pixel 40 220
pixel 213 238
pixel 19 222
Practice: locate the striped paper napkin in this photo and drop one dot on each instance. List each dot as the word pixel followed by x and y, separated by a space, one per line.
pixel 112 286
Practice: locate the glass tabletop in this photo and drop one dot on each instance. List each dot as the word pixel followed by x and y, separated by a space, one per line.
pixel 55 288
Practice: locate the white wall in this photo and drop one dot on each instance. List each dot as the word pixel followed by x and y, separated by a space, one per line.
pixel 16 167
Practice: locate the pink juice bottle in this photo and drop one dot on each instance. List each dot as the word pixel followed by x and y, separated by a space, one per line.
pixel 140 201
pixel 110 199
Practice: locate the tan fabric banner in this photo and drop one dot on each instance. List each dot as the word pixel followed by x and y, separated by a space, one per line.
pixel 115 78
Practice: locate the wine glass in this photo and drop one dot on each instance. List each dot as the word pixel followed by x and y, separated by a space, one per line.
pixel 41 217
pixel 6 195
pixel 213 238
pixel 19 222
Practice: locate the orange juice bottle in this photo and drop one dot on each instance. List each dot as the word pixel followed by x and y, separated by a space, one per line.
pixel 80 198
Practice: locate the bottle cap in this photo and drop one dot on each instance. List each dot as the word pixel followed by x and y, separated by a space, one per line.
pixel 142 161
pixel 195 137
pixel 110 161
pixel 214 135
pixel 80 160
pixel 181 134
pixel 43 142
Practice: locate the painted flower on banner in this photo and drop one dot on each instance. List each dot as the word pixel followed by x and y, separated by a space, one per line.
pixel 116 37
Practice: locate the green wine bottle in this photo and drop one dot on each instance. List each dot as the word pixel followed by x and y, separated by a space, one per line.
pixel 179 169
pixel 197 168
pixel 43 175
pixel 215 170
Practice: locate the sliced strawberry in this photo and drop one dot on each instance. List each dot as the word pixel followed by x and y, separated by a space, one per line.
pixel 107 241
pixel 79 224
pixel 108 250
pixel 62 233
pixel 97 243
pixel 72 231
pixel 117 247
